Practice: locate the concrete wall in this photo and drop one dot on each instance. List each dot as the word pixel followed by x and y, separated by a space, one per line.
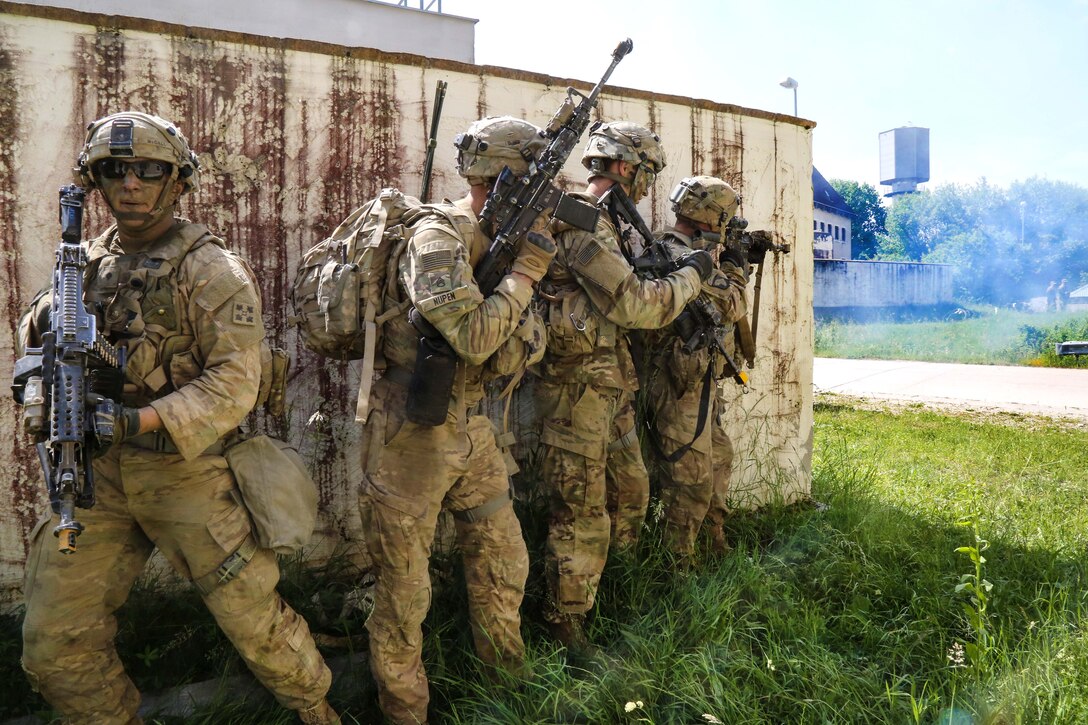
pixel 292 136
pixel 353 23
pixel 880 284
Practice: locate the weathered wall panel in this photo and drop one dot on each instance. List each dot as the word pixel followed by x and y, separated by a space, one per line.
pixel 855 283
pixel 291 137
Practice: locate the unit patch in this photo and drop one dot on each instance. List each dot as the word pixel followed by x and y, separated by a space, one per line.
pixel 245 314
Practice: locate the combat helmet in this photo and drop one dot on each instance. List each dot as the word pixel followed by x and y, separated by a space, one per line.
pixel 625 141
pixel 494 143
pixel 705 199
pixel 131 134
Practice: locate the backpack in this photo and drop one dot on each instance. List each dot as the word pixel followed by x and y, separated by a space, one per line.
pixel 339 290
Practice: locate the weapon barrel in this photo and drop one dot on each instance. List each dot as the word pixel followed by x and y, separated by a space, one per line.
pixel 432 141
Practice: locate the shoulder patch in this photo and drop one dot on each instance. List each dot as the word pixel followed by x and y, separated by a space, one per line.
pixel 245 313
pixel 439 259
pixel 220 289
pixel 588 252
pixel 444 298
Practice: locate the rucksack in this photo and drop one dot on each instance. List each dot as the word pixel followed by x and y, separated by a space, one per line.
pixel 339 290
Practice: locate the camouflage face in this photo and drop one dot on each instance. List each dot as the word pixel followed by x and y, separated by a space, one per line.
pixel 494 143
pixel 130 135
pixel 705 199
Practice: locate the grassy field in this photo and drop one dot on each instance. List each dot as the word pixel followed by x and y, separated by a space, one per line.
pixel 1001 337
pixel 944 582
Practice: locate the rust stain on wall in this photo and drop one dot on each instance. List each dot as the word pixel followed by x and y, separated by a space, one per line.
pixel 726 157
pixel 23 467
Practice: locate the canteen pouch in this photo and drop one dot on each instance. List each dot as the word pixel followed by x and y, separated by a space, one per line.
pixel 277 490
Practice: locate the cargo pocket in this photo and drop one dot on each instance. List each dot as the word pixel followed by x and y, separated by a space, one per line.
pixel 37 550
pixel 230 528
pixel 395 532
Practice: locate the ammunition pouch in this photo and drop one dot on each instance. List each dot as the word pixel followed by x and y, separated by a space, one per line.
pixel 431 386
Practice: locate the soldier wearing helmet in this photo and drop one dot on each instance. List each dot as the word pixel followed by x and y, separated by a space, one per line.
pixel 703 206
pixel 413 470
pixel 189 313
pixel 590 297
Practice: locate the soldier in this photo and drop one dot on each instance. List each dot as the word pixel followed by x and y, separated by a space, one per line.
pixel 703 206
pixel 189 312
pixel 587 378
pixel 413 470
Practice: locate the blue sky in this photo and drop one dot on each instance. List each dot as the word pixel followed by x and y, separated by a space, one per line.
pixel 1002 86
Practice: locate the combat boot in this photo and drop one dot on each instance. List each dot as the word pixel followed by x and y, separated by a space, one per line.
pixel 714 525
pixel 570 631
pixel 320 714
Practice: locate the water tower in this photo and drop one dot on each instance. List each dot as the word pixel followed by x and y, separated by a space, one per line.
pixel 904 159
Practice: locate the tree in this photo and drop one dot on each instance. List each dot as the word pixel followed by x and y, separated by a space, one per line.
pixel 869 215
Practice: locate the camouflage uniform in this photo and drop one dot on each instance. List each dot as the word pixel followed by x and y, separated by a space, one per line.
pixel 674 388
pixel 584 397
pixel 412 471
pixel 192 316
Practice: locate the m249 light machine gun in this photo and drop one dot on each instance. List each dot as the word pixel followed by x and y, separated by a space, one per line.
pixel 515 203
pixel 70 385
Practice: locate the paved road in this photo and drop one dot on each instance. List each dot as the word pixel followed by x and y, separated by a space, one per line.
pixel 1045 391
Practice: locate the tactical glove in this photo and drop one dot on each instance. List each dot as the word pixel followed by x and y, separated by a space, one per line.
pixel 733 256
pixel 701 261
pixel 535 253
pixel 114 423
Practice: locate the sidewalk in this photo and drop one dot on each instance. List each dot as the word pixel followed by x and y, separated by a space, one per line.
pixel 1042 391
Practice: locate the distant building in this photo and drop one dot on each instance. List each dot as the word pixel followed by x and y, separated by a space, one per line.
pixel 831 220
pixel 353 23
pixel 1078 298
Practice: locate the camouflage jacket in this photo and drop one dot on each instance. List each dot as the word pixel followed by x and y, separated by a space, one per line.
pixel 493 336
pixel 725 290
pixel 591 296
pixel 189 312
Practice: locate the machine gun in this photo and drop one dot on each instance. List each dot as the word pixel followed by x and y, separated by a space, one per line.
pixel 63 384
pixel 752 246
pixel 514 203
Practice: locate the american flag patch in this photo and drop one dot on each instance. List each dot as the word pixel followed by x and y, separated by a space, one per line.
pixel 587 253
pixel 440 259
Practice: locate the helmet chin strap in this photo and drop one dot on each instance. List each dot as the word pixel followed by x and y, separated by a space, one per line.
pixel 165 202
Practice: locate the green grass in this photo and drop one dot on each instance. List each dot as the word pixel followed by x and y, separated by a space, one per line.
pixel 1004 337
pixel 848 615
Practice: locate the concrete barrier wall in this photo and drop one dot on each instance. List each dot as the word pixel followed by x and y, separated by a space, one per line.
pixel 840 283
pixel 293 135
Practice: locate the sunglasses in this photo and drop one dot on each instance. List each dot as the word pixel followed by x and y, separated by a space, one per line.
pixel 144 170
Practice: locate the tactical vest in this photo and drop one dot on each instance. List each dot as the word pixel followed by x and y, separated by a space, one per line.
pixel 137 300
pixel 575 326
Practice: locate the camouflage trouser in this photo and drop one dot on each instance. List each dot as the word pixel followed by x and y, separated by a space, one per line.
pixel 412 473
pixel 187 510
pixel 626 479
pixel 696 485
pixel 579 422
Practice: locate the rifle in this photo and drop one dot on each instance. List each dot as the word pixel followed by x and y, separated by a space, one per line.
pixel 753 246
pixel 515 203
pixel 75 374
pixel 432 139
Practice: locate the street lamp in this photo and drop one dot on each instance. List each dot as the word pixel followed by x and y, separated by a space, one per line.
pixel 791 84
